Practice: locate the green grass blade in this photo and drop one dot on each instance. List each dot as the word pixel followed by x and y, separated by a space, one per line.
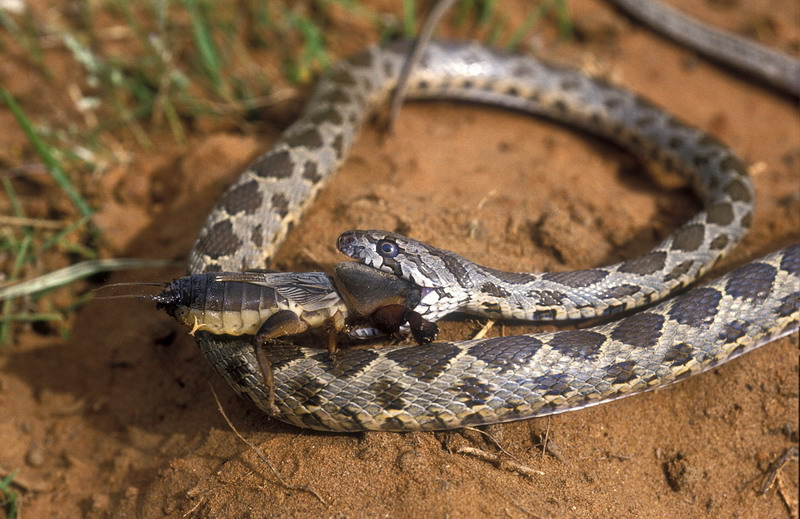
pixel 56 238
pixel 314 48
pixel 531 20
pixel 9 502
pixel 409 19
pixel 209 57
pixel 16 207
pixel 488 9
pixel 46 155
pixel 564 20
pixel 72 273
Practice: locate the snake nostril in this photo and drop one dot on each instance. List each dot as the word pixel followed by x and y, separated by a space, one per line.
pixel 344 240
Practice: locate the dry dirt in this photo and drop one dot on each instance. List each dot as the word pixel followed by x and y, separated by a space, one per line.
pixel 120 419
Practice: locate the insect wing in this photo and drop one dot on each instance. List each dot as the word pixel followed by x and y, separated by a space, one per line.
pixel 311 290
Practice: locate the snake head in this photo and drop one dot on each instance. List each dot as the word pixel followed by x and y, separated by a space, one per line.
pixel 406 258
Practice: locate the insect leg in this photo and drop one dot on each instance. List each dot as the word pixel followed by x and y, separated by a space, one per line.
pixel 389 318
pixel 279 324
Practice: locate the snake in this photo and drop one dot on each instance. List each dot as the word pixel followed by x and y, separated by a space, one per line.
pixel 448 385
pixel 753 59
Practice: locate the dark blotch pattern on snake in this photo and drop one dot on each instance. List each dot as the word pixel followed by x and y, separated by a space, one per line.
pixel 451 385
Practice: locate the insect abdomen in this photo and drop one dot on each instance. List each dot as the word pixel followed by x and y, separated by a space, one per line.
pixel 220 307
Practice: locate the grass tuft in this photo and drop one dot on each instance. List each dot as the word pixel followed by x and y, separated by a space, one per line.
pixel 559 7
pixel 209 57
pixel 46 154
pixel 125 77
pixel 9 499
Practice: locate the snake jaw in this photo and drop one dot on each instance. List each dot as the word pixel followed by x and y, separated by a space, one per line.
pixel 428 298
pixel 358 246
pixel 353 245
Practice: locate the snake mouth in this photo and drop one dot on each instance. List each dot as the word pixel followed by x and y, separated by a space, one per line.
pixel 392 267
pixel 351 245
pixel 354 245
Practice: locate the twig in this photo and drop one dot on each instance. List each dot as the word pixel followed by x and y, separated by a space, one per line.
pixel 24 170
pixel 263 458
pixel 549 445
pixel 494 458
pixel 414 56
pixel 495 442
pixel 789 502
pixel 310 256
pixel 776 466
pixel 546 437
pixel 483 331
pixel 21 221
pixel 195 507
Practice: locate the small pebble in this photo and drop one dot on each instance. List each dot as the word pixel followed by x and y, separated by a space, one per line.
pixel 100 502
pixel 35 457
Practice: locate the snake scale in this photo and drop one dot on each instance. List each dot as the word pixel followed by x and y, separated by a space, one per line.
pixel 450 385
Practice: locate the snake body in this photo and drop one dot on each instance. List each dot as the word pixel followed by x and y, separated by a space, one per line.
pixel 756 60
pixel 501 379
pixel 450 385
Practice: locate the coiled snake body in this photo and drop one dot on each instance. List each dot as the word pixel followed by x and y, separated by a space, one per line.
pixel 450 385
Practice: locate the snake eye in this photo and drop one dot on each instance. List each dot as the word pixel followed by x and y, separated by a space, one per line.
pixel 387 249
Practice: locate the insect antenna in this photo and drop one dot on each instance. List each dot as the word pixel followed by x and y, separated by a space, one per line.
pixel 132 284
pixel 150 297
pixel 128 296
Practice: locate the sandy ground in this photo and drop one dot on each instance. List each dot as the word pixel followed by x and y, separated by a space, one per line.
pixel 120 419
